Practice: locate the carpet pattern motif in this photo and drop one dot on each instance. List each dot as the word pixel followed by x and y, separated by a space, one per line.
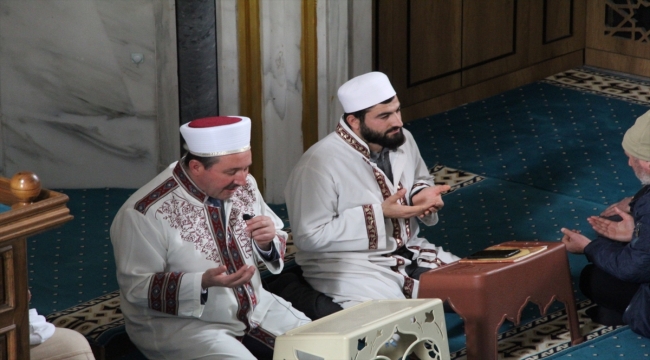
pixel 544 337
pixel 97 319
pixel 623 88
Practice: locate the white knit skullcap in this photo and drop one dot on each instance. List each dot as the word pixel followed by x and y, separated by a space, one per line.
pixel 217 136
pixel 636 140
pixel 365 91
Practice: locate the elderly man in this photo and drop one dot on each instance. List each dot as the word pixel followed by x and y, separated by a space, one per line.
pixel 355 197
pixel 618 278
pixel 186 246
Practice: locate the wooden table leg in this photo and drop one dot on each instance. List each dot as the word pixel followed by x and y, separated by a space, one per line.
pixel 481 339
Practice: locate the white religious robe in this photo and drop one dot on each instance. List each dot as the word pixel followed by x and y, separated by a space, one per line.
pixel 165 237
pixel 345 245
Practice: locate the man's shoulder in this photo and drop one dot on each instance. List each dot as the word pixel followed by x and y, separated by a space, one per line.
pixel 153 192
pixel 326 148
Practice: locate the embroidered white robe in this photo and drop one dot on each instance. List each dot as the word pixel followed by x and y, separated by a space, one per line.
pixel 165 237
pixel 334 197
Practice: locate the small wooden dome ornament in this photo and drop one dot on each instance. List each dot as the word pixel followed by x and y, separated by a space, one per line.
pixel 26 186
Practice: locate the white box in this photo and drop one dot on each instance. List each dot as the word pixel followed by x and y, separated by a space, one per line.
pixel 365 332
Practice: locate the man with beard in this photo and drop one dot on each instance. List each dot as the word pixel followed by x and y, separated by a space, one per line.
pixel 618 277
pixel 186 248
pixel 354 200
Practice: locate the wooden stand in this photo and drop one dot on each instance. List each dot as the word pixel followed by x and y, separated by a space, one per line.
pixel 484 294
pixel 35 214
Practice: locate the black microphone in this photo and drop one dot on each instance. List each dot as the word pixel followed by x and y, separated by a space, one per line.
pixel 247 217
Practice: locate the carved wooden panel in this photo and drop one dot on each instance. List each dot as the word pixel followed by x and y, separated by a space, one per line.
pixel 3 291
pixel 619 26
pixel 491 22
pixel 558 20
pixel 434 46
pixel 430 48
pixel 557 27
pixel 8 343
pixel 421 62
pixel 627 19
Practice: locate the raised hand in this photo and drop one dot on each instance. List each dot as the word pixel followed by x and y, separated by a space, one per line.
pixel 262 230
pixel 623 205
pixel 425 202
pixel 615 230
pixel 218 277
pixel 394 210
pixel 574 241
pixel 433 195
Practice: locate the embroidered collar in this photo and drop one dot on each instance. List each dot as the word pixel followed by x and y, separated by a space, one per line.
pixel 351 139
pixel 184 180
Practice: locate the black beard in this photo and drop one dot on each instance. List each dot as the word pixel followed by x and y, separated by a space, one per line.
pixel 384 140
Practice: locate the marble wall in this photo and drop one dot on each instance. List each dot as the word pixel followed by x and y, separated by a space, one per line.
pixel 77 110
pixel 78 91
pixel 281 93
pixel 340 23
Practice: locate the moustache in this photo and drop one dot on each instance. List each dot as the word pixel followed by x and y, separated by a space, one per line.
pixel 232 186
pixel 393 129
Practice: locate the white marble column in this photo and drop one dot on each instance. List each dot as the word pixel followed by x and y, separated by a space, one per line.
pixel 340 24
pixel 332 34
pixel 282 92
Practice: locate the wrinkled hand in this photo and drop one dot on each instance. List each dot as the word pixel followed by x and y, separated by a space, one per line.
pixel 218 277
pixel 262 230
pixel 623 205
pixel 574 241
pixel 431 194
pixel 615 230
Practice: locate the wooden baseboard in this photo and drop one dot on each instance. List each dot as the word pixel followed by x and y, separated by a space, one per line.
pixel 493 86
pixel 617 62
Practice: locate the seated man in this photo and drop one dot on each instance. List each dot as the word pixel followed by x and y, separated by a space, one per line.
pixel 186 246
pixel 47 342
pixel 354 199
pixel 618 278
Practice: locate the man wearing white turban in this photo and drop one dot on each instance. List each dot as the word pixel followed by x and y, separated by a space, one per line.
pixel 355 198
pixel 186 247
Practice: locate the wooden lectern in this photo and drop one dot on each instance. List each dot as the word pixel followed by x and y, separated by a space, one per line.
pixel 34 210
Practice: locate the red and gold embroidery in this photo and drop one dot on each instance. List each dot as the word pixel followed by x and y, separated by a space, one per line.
pixel 156 194
pixel 242 203
pixel 371 227
pixel 263 336
pixel 350 140
pixel 163 292
pixel 189 186
pixel 191 224
pixel 409 285
pixel 231 257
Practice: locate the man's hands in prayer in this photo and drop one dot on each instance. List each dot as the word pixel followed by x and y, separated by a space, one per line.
pixel 218 277
pixel 623 205
pixel 430 195
pixel 426 202
pixel 615 230
pixel 574 241
pixel 262 230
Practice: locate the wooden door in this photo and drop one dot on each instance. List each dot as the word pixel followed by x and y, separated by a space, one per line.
pixel 458 51
pixel 418 46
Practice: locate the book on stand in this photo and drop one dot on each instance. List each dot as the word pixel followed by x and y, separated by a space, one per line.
pixel 524 252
